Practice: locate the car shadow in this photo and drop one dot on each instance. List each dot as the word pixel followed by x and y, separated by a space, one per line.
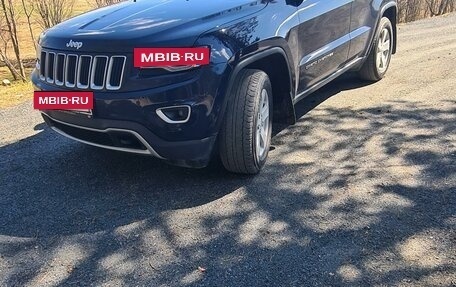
pixel 320 206
pixel 346 82
pixel 73 188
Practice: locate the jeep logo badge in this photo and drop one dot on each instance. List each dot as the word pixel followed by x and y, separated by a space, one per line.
pixel 72 44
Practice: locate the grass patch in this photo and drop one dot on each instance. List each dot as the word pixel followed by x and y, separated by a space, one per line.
pixel 15 94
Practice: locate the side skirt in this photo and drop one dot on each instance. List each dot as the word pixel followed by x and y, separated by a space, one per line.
pixel 318 85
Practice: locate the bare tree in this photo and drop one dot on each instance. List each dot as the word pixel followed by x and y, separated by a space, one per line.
pixel 4 47
pixel 411 10
pixel 102 3
pixel 52 12
pixel 29 8
pixel 440 7
pixel 10 18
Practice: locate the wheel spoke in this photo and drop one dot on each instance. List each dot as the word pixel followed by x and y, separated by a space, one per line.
pixel 384 60
pixel 266 121
pixel 379 59
pixel 384 36
pixel 262 125
pixel 258 141
pixel 386 46
pixel 383 50
pixel 265 112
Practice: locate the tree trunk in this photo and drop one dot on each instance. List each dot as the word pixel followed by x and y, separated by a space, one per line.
pixel 10 66
pixel 28 14
pixel 8 11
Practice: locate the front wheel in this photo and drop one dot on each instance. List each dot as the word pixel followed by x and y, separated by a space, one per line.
pixel 245 137
pixel 378 61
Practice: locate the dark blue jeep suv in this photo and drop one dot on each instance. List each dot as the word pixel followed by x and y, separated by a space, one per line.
pixel 266 55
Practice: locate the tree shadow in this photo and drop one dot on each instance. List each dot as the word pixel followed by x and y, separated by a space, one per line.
pixel 346 82
pixel 349 198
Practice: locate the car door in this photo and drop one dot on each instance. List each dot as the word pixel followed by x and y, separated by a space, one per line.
pixel 324 39
pixel 362 27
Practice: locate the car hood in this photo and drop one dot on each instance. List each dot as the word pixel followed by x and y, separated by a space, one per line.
pixel 146 23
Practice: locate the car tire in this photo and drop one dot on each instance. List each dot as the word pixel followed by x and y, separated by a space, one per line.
pixel 378 61
pixel 245 137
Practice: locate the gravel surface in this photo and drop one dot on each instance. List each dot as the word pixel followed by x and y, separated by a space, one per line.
pixel 360 192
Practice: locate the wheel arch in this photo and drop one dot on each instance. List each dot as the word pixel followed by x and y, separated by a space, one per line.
pixel 390 11
pixel 273 62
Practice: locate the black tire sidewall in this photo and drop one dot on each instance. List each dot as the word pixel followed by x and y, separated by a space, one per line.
pixel 238 134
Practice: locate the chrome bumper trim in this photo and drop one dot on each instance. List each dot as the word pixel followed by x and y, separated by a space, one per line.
pixel 149 151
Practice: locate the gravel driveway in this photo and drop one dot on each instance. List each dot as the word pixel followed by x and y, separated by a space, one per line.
pixel 360 192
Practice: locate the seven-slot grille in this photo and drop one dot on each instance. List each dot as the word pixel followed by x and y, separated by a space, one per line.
pixel 82 71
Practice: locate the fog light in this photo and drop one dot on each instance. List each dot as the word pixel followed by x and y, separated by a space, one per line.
pixel 175 115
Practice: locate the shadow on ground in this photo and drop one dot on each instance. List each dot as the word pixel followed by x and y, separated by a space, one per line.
pixel 349 197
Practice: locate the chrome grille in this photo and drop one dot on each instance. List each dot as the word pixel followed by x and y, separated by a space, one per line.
pixel 82 71
pixel 85 62
pixel 99 68
pixel 115 72
pixel 71 68
pixel 43 65
pixel 50 67
pixel 59 70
